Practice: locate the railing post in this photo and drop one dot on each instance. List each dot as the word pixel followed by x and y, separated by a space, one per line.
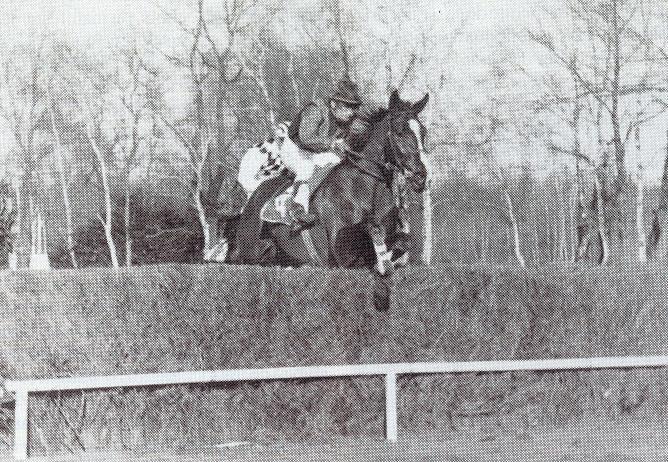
pixel 391 406
pixel 21 425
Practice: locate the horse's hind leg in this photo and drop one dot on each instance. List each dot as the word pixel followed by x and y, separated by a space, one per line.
pixel 266 252
pixel 352 248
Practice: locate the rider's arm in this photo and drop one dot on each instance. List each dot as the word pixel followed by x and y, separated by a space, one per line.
pixel 360 128
pixel 311 130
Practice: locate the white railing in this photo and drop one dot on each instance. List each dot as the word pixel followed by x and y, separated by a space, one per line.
pixel 22 388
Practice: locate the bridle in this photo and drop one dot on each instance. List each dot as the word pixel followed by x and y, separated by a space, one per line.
pixel 386 170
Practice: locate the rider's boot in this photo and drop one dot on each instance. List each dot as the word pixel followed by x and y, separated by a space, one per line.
pixel 300 208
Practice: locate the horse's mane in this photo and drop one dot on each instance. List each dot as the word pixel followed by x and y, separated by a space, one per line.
pixel 379 114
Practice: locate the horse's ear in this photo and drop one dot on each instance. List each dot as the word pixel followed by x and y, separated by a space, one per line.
pixel 394 99
pixel 419 106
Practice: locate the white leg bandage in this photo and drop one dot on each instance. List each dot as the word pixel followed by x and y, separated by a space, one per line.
pixel 384 259
pixel 325 158
pixel 248 170
pixel 282 201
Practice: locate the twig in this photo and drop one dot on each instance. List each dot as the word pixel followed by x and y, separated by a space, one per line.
pixel 75 433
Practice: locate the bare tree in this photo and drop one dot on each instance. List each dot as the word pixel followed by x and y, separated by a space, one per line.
pixel 612 48
pixel 137 92
pixel 257 71
pixel 340 22
pixel 64 181
pixel 210 63
pixel 250 47
pixel 90 86
pixel 512 219
pixel 23 105
pixel 484 150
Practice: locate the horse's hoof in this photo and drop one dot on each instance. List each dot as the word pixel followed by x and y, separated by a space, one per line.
pixel 304 222
pixel 401 261
pixel 218 253
pixel 385 269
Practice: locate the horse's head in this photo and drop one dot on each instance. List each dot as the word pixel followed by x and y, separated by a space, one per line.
pixel 406 136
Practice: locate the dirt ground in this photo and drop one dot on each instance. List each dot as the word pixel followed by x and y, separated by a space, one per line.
pixel 587 441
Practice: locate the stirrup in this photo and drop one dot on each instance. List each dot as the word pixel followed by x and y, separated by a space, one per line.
pixel 302 222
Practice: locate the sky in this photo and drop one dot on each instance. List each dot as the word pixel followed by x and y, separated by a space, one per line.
pixel 102 22
pixel 100 25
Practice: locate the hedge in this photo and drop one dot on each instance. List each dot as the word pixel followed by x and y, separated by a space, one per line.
pixel 186 317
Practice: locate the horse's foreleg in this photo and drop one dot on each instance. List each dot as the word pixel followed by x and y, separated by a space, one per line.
pixel 384 263
pixel 402 240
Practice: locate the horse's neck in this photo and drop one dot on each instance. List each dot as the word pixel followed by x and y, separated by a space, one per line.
pixel 375 147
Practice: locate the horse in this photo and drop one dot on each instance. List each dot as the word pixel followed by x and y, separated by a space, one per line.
pixel 355 205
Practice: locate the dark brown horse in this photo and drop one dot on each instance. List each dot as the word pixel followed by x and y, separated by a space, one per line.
pixel 355 204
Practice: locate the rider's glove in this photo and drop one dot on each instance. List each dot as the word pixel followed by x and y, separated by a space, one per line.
pixel 340 146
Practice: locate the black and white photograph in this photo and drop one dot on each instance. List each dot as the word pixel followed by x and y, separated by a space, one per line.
pixel 334 230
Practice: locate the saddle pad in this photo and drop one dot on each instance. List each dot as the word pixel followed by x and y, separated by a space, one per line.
pixel 277 209
pixel 272 212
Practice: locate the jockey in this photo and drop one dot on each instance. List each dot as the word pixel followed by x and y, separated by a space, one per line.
pixel 316 136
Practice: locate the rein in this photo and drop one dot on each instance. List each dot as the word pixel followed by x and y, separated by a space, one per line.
pixel 373 168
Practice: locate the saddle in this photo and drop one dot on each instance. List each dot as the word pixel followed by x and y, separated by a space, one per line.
pixel 277 208
pixel 264 207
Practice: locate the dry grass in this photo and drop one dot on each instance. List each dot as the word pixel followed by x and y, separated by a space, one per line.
pixel 595 440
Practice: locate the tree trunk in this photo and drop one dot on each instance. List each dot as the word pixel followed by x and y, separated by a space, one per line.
pixel 616 192
pixel 427 205
pixel 197 196
pixel 128 237
pixel 107 221
pixel 640 209
pixel 515 228
pixel 427 226
pixel 206 232
pixel 640 206
pixel 293 79
pixel 640 221
pixel 262 85
pixel 271 115
pixel 22 242
pixel 605 246
pixel 657 247
pixel 615 94
pixel 562 253
pixel 69 229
